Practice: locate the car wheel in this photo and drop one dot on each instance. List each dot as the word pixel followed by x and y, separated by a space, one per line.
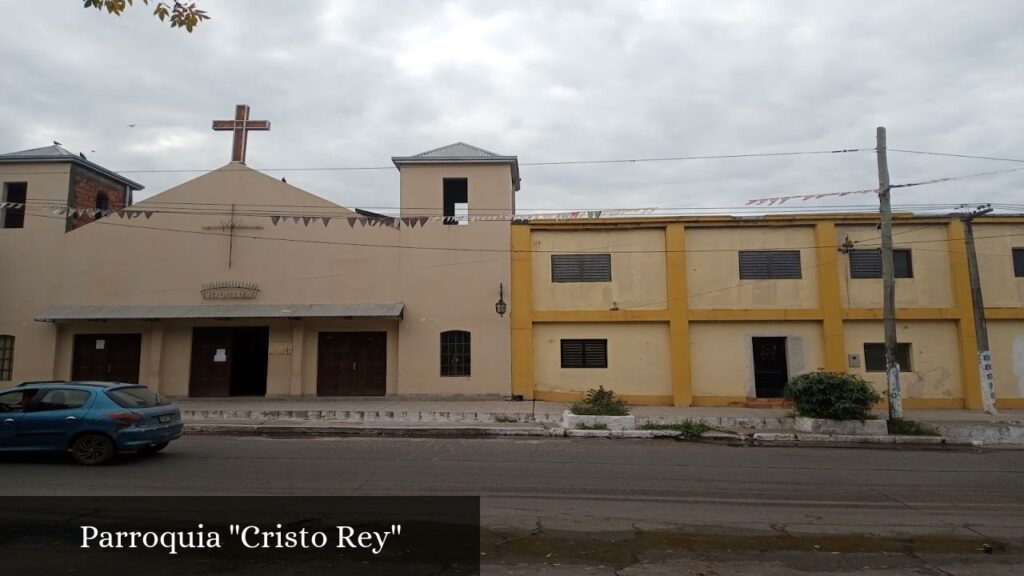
pixel 154 448
pixel 92 449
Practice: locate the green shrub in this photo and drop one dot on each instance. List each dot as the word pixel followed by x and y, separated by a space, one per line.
pixel 831 395
pixel 600 402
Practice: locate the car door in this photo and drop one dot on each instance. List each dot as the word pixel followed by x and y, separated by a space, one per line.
pixel 12 408
pixel 51 420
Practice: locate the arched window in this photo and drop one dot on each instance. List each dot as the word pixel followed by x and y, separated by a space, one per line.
pixel 455 357
pixel 102 204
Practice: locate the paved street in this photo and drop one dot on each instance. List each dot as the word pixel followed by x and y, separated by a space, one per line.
pixel 591 506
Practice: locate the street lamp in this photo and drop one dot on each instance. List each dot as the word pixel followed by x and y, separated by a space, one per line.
pixel 500 306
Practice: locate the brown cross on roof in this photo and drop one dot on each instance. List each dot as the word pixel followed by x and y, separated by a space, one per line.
pixel 241 126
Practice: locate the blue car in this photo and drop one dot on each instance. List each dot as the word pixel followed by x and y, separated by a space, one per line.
pixel 92 421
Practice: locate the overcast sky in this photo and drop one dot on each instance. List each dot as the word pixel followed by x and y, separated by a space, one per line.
pixel 348 83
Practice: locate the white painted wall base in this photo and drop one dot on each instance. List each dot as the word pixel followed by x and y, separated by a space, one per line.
pixel 825 426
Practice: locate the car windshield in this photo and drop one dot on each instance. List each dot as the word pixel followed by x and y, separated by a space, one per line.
pixel 139 397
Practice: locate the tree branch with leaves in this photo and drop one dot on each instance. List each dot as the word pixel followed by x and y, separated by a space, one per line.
pixel 181 15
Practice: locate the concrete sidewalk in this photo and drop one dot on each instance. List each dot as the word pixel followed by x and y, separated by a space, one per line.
pixel 462 416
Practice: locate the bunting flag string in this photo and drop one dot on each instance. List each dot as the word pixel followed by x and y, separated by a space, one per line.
pixel 779 200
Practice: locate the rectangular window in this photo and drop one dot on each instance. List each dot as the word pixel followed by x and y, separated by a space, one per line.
pixel 868 264
pixel 588 353
pixel 581 267
pixel 773 264
pixel 1018 262
pixel 874 357
pixel 6 357
pixel 455 353
pixel 456 201
pixel 15 192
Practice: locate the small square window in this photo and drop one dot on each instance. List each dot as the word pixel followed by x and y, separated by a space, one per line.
pixel 874 357
pixel 584 353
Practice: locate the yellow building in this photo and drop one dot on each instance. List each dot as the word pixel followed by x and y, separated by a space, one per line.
pixel 719 311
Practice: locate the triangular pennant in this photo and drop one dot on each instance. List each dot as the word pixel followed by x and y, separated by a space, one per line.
pixel 423 220
pixel 362 222
pixel 305 220
pixel 352 222
pixel 120 214
pixel 148 213
pixel 275 219
pixel 408 221
pixel 326 220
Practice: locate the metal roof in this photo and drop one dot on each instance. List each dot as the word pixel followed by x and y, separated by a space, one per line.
pixel 460 153
pixel 215 311
pixel 57 153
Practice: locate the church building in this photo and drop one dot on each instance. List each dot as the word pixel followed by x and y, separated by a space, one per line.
pixel 237 283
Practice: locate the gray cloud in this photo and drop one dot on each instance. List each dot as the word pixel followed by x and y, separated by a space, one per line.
pixel 353 83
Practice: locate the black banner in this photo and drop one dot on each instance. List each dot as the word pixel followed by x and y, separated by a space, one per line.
pixel 276 536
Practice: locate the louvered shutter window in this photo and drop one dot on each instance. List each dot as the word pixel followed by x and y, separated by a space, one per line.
pixel 770 264
pixel 587 353
pixel 581 268
pixel 868 264
pixel 874 356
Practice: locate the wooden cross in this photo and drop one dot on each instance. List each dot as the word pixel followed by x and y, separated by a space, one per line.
pixel 241 126
pixel 230 226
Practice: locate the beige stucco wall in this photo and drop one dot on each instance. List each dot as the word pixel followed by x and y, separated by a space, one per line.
pixel 638 358
pixel 994 244
pixel 931 286
pixel 713 276
pixel 31 259
pixel 448 277
pixel 722 360
pixel 638 270
pixel 935 358
pixel 1006 338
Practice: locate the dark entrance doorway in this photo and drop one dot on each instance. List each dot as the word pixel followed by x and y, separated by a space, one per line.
pixel 770 371
pixel 352 364
pixel 107 357
pixel 229 361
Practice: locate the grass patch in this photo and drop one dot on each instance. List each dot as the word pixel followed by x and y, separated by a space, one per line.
pixel 505 418
pixel 903 427
pixel 686 428
pixel 595 426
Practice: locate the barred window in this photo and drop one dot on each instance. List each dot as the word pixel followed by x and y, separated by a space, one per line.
pixel 770 264
pixel 6 357
pixel 874 357
pixel 868 264
pixel 581 267
pixel 455 356
pixel 585 353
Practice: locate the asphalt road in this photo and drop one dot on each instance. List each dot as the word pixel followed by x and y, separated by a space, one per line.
pixel 555 506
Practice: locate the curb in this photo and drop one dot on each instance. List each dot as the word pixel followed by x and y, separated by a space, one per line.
pixel 278 430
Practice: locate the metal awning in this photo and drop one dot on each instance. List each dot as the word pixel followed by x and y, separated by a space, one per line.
pixel 64 313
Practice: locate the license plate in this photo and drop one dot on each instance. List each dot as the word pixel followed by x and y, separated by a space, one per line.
pixel 165 418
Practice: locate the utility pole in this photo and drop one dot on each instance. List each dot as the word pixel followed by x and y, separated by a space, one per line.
pixel 988 388
pixel 892 367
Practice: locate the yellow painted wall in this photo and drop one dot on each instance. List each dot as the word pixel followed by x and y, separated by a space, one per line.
pixel 638 355
pixel 1006 338
pixel 713 277
pixel 935 363
pixel 722 357
pixel 931 286
pixel 638 270
pixel 994 244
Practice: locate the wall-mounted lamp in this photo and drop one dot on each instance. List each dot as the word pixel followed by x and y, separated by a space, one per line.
pixel 500 306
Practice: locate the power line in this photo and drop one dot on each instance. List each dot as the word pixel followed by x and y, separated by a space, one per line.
pixel 971 156
pixel 464 249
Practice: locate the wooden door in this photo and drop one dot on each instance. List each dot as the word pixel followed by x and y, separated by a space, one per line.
pixel 212 353
pixel 107 357
pixel 352 364
pixel 770 370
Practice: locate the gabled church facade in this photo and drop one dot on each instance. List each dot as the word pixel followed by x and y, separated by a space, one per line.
pixel 239 284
